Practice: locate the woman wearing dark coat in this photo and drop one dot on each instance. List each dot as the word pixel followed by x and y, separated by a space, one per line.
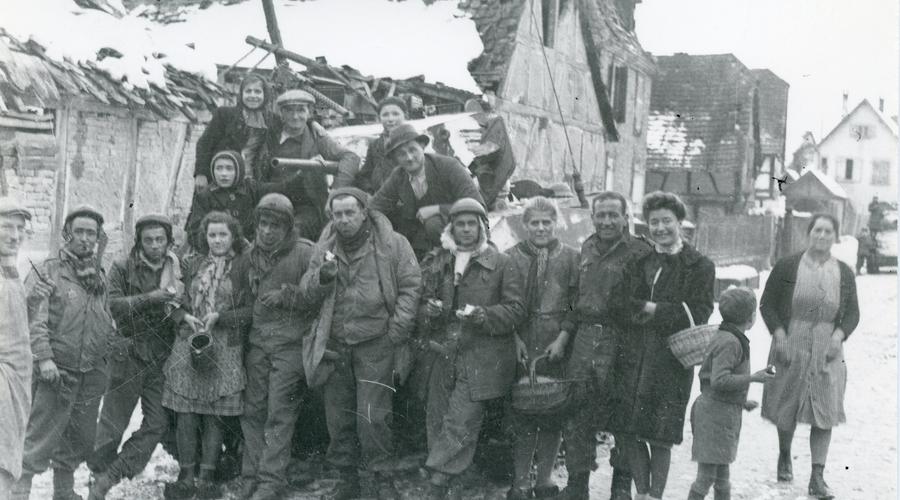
pixel 809 305
pixel 377 167
pixel 237 128
pixel 651 388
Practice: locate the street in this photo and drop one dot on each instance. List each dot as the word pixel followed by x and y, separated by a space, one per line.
pixel 862 460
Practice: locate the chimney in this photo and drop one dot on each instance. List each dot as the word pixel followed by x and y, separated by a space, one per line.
pixel 844 109
pixel 881 104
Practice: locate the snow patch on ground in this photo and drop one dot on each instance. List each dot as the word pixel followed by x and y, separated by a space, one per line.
pixel 736 273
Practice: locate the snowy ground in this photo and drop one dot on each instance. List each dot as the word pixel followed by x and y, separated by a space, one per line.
pixel 862 462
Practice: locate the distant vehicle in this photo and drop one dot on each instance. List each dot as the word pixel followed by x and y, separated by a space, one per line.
pixel 886 240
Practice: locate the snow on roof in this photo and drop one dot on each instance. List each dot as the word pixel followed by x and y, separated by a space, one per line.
pixel 829 183
pixel 396 39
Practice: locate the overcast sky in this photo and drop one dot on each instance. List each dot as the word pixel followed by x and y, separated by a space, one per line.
pixel 820 47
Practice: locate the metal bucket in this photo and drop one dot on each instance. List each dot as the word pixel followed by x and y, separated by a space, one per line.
pixel 201 345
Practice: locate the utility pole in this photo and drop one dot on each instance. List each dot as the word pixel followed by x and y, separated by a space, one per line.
pixel 272 27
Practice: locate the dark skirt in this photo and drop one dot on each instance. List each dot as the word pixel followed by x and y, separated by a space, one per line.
pixel 717 427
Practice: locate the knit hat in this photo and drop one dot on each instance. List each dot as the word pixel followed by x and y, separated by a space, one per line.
pixel 393 101
pixel 11 206
pixel 359 194
pixel 468 206
pixel 401 135
pixel 153 220
pixel 84 211
pixel 236 158
pixel 737 304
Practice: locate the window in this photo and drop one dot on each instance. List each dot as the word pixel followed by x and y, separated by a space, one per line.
pixel 860 132
pixel 824 167
pixel 848 169
pixel 881 173
pixel 638 106
pixel 549 16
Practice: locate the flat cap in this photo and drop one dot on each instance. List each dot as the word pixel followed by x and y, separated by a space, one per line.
pixel 467 206
pixel 84 211
pixel 295 96
pixel 11 206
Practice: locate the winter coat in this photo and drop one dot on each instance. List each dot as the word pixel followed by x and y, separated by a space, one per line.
pixel 600 272
pixel 487 352
pixel 725 372
pixel 553 308
pixel 651 387
pixel 448 181
pixel 777 298
pixel 226 131
pixel 310 188
pixel 275 327
pixel 72 327
pixel 399 280
pixel 148 329
pixel 15 373
pixel 376 168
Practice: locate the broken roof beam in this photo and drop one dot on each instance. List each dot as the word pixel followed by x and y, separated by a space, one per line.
pixel 293 56
pixel 328 102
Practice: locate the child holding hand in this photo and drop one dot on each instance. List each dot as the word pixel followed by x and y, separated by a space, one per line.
pixel 724 381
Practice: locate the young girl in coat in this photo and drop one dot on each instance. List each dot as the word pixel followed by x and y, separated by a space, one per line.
pixel 724 381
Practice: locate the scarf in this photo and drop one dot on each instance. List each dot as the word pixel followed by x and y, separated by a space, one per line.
pixel 262 261
pixel 745 342
pixel 170 278
pixel 462 257
pixel 537 271
pixel 254 118
pixel 353 243
pixel 215 268
pixel 87 271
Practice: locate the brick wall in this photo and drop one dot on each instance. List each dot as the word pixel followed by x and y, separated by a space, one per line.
pixel 29 170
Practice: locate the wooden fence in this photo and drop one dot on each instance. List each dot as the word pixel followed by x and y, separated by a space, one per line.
pixel 737 239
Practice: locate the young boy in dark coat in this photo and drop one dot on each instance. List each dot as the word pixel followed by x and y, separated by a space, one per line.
pixel 724 381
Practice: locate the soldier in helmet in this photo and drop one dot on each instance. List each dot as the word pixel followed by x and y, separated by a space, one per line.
pixel 70 336
pixel 299 138
pixel 144 289
pixel 278 260
pixel 473 299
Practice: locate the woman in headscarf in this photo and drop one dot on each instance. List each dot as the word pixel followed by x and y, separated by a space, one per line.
pixel 658 294
pixel 239 128
pixel 204 384
pixel 551 288
pixel 377 168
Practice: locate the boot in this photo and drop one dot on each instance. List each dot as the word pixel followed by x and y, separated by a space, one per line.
pixel 722 492
pixel 577 487
pixel 21 489
pixel 546 491
pixel 64 485
pixel 183 487
pixel 817 486
pixel 348 488
pixel 785 468
pixel 247 488
pixel 207 487
pixel 693 495
pixel 100 486
pixel 621 485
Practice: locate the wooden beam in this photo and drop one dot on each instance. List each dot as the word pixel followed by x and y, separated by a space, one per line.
pixel 593 59
pixel 62 176
pixel 272 27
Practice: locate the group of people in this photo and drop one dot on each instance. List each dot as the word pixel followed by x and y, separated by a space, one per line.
pixel 291 287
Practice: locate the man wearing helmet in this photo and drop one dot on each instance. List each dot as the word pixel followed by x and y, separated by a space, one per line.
pixel 279 259
pixel 473 298
pixel 70 336
pixel 144 288
pixel 299 138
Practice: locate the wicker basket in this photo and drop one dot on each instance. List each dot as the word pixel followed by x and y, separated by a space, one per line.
pixel 539 396
pixel 690 345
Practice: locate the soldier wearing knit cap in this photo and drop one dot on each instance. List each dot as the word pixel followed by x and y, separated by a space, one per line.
pixel 15 357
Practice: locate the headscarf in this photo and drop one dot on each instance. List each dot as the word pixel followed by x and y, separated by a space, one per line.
pixel 87 271
pixel 537 272
pixel 239 170
pixel 254 118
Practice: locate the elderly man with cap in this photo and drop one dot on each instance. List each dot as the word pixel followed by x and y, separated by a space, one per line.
pixel 144 288
pixel 70 336
pixel 297 137
pixel 366 278
pixel 418 195
pixel 279 259
pixel 473 299
pixel 15 355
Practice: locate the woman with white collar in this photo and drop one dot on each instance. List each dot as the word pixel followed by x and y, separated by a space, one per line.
pixel 652 388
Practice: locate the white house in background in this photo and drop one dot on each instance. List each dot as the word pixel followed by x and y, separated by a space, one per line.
pixel 860 153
